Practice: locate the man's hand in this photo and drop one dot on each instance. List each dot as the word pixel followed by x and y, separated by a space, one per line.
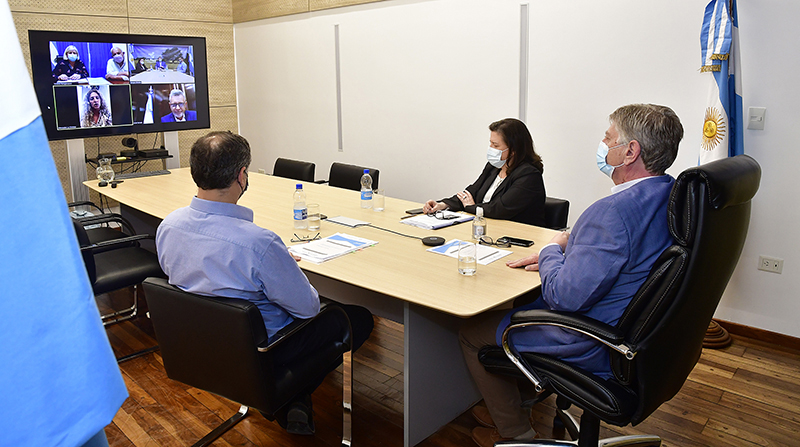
pixel 561 239
pixel 531 263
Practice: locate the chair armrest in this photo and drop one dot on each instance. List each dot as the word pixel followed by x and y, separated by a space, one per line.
pixel 107 218
pixel 602 332
pixel 85 203
pixel 121 241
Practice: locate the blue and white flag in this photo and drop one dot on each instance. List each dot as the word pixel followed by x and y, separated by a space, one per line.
pixel 59 380
pixel 723 133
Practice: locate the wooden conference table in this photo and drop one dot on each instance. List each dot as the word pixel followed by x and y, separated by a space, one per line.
pixel 396 278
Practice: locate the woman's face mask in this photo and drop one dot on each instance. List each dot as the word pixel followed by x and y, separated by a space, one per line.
pixel 493 157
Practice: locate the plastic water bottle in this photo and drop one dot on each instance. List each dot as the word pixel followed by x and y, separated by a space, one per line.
pixel 478 225
pixel 366 190
pixel 300 210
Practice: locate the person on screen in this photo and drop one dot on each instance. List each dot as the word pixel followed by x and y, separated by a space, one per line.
pixel 70 67
pixel 140 67
pixel 181 68
pixel 177 107
pixel 117 66
pixel 160 64
pixel 214 230
pixel 510 186
pixel 95 110
pixel 595 271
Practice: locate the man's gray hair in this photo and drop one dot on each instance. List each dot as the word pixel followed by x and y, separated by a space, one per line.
pixel 177 92
pixel 657 129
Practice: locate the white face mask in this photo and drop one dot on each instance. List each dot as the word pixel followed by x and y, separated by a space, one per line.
pixel 493 157
pixel 118 58
pixel 602 152
pixel 72 56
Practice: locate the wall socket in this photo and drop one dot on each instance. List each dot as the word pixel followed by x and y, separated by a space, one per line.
pixel 768 264
pixel 261 171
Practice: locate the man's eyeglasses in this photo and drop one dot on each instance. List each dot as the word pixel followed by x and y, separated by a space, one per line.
pixel 177 104
pixel 442 216
pixel 305 239
pixel 486 240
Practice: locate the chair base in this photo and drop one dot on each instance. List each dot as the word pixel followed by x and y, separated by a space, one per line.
pixel 136 354
pixel 222 428
pixel 124 314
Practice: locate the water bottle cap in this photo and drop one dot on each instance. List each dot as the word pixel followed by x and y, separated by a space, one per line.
pixel 366 171
pixel 299 186
pixel 479 212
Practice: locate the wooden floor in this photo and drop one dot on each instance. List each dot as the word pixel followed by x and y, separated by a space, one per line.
pixel 745 395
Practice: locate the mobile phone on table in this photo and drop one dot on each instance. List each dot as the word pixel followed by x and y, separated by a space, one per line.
pixel 515 241
pixel 414 211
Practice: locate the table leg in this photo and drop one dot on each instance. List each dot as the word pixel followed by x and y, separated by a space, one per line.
pixel 438 386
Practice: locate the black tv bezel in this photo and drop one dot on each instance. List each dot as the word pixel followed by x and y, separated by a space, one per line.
pixel 39 43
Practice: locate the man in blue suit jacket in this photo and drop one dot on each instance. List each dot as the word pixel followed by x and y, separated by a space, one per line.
pixel 595 271
pixel 177 107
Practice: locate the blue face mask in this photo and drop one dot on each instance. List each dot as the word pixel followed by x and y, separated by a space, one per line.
pixel 602 152
pixel 493 157
pixel 73 57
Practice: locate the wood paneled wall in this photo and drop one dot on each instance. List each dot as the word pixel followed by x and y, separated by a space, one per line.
pixel 212 19
pixel 248 10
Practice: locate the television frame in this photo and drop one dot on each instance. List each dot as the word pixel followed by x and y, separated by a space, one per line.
pixel 42 71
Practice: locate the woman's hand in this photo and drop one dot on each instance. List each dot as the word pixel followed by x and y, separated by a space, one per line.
pixel 432 206
pixel 62 77
pixel 531 263
pixel 466 198
pixel 75 77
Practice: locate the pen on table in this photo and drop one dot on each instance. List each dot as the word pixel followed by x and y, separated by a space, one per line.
pixel 406 217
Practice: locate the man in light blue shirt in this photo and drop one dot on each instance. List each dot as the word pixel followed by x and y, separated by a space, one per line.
pixel 212 247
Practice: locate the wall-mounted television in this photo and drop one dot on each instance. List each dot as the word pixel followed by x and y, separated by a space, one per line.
pixel 92 84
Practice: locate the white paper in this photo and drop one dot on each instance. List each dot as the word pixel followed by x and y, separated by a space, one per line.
pixel 486 254
pixel 330 247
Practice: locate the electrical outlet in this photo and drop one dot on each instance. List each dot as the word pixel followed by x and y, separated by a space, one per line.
pixel 768 264
pixel 261 171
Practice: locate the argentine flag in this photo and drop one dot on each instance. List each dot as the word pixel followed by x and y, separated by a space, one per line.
pixel 59 381
pixel 723 134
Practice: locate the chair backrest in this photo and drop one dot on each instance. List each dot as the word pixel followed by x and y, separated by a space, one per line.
pixel 556 212
pixel 211 343
pixel 349 176
pixel 665 323
pixel 294 169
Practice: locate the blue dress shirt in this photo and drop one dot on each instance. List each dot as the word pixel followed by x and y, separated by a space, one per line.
pixel 609 254
pixel 214 248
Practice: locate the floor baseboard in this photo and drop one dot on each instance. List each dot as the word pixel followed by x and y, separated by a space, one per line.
pixel 778 340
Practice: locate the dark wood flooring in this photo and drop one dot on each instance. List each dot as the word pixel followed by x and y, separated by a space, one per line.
pixel 745 395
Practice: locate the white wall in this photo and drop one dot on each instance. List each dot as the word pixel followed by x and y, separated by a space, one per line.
pixel 421 81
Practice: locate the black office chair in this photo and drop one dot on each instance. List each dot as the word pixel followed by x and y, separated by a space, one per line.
pixel 220 345
pixel 98 228
pixel 556 212
pixel 116 264
pixel 294 169
pixel 349 176
pixel 659 338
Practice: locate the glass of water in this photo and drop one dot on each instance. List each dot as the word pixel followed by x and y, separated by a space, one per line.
pixel 467 258
pixel 313 216
pixel 378 199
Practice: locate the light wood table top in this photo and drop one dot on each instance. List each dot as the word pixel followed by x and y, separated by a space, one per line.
pixel 397 266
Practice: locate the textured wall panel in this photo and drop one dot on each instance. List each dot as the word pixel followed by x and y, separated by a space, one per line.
pixel 222 118
pixel 203 10
pixel 248 10
pixel 110 8
pixel 316 5
pixel 219 48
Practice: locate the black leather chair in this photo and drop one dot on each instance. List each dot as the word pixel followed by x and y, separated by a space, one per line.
pixel 294 169
pixel 556 212
pixel 349 176
pixel 659 338
pixel 98 228
pixel 220 345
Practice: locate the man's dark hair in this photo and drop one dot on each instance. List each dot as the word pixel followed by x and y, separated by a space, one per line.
pixel 217 158
pixel 657 129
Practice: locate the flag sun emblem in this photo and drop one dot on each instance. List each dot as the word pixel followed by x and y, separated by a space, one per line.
pixel 713 129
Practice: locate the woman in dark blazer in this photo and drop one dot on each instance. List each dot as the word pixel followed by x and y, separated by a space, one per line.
pixel 510 186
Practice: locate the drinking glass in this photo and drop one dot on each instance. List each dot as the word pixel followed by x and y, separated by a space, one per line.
pixel 313 216
pixel 467 258
pixel 378 199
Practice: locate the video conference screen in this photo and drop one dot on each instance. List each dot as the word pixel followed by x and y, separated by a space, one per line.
pixel 108 84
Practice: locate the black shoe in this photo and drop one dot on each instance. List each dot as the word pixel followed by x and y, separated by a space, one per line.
pixel 300 417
